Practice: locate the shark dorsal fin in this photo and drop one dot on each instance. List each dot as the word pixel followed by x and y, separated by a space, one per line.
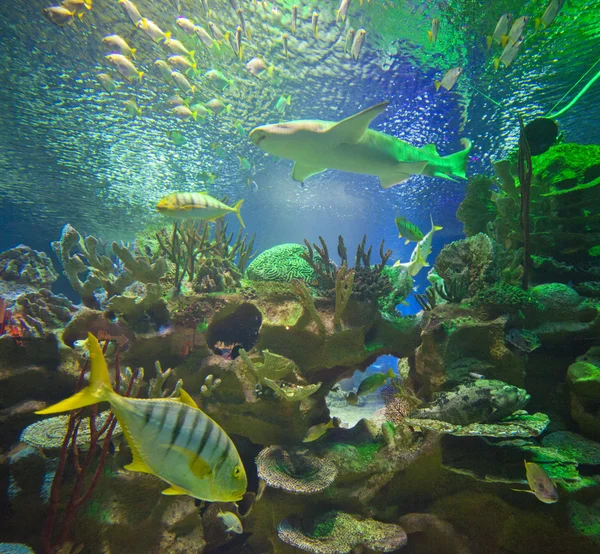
pixel 351 129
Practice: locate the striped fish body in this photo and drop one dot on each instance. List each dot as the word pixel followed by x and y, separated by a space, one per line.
pixel 195 205
pixel 181 445
pixel 169 438
pixel 408 230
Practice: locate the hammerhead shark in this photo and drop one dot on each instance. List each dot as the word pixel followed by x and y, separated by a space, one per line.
pixel 349 145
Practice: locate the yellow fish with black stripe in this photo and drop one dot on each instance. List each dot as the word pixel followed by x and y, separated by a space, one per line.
pixel 169 438
pixel 197 205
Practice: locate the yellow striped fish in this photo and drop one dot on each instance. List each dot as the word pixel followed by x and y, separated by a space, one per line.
pixel 169 438
pixel 196 205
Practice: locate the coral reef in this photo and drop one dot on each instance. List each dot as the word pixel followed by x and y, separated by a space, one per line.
pixel 25 266
pixel 477 209
pixel 563 200
pixel 583 378
pixel 205 256
pixel 480 401
pixel 78 255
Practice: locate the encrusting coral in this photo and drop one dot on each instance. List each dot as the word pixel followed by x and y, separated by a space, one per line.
pixel 336 532
pixel 25 266
pixel 294 471
pixel 49 433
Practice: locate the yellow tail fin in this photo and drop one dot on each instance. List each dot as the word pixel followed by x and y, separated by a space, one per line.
pixel 99 388
pixel 236 209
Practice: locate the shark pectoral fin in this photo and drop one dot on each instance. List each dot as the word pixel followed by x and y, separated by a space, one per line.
pixel 444 176
pixel 387 182
pixel 404 171
pixel 351 129
pixel 301 172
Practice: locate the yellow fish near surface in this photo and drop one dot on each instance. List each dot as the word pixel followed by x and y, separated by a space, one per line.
pixel 197 205
pixel 169 438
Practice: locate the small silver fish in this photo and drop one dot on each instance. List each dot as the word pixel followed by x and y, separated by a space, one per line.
pixel 182 83
pixel 232 522
pixel 500 35
pixel 284 38
pixel 131 11
pixel 107 82
pixel 357 44
pixel 550 14
pixel 449 79
pixel 243 24
pixel 315 24
pixel 216 32
pixel 349 38
pixel 203 35
pixel 294 19
pixel 516 31
pixel 342 11
pixel 433 33
pixel 508 54
pixel 186 25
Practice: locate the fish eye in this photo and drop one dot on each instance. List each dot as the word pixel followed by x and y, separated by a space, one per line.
pixel 237 470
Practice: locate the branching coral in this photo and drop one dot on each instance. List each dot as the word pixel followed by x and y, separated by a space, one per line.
pixel 82 256
pixel 208 258
pixel 337 532
pixel 371 283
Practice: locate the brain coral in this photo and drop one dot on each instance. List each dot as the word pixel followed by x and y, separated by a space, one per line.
pixel 281 263
pixel 338 533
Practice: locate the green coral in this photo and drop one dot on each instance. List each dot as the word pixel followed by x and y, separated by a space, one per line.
pixel 282 263
pixel 520 424
pixel 477 209
pixel 298 472
pixel 337 532
pixel 504 298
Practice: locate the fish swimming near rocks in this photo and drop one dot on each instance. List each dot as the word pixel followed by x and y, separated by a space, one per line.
pixel 170 438
pixel 349 145
pixel 539 484
pixel 231 521
pixel 196 205
pixel 374 382
pixel 480 401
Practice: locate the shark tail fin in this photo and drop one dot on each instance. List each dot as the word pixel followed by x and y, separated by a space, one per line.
pixel 457 162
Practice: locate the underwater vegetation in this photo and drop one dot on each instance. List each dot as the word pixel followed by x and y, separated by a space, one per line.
pixel 187 391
